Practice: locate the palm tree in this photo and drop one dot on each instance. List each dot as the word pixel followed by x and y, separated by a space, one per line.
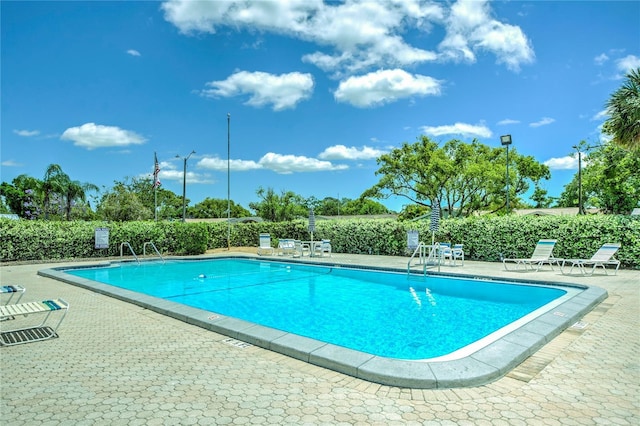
pixel 624 113
pixel 52 184
pixel 75 190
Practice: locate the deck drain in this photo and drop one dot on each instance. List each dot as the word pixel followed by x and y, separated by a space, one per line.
pixel 237 343
pixel 580 325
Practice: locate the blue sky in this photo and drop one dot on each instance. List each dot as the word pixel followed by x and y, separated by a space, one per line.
pixel 315 91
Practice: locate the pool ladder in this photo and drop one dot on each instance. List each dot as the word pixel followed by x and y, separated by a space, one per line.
pixel 425 254
pixel 126 243
pixel 144 250
pixel 150 243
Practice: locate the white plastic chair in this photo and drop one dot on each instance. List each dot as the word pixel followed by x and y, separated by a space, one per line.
pixel 454 253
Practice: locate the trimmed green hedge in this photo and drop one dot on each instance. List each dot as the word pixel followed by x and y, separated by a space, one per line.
pixel 484 238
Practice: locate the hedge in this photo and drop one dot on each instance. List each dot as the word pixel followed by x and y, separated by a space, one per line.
pixel 485 238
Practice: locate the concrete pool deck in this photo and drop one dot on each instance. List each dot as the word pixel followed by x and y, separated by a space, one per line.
pixel 117 362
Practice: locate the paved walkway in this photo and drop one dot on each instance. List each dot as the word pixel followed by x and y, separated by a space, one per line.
pixel 116 363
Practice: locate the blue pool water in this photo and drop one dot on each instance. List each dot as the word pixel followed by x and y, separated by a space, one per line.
pixel 381 313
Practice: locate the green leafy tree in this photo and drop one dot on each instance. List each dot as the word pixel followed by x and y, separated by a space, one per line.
pixel 540 198
pixel 412 211
pixel 363 206
pixel 624 113
pixel 52 188
pixel 330 206
pixel 4 209
pixel 610 181
pixel 216 208
pixel 278 208
pixel 569 196
pixel 75 198
pixel 464 178
pixel 168 203
pixel 121 204
pixel 22 196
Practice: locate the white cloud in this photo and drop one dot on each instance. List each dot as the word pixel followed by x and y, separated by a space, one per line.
pixel 287 164
pixel 133 52
pixel 385 86
pixel 543 122
pixel 355 35
pixel 602 115
pixel 569 162
pixel 470 28
pixel 627 63
pixel 27 133
pixel 91 136
pixel 341 152
pixel 464 129
pixel 601 59
pixel 507 121
pixel 219 164
pixel 279 163
pixel 10 163
pixel 281 91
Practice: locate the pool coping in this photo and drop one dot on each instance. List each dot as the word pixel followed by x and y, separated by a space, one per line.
pixel 478 368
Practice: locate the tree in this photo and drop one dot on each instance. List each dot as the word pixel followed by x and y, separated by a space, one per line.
pixel 21 196
pixel 52 187
pixel 169 204
pixel 624 113
pixel 540 198
pixel 75 191
pixel 610 181
pixel 363 206
pixel 120 204
pixel 216 208
pixel 278 208
pixel 329 206
pixel 463 178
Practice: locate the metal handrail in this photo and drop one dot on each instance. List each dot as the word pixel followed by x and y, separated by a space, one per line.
pixel 144 249
pixel 126 243
pixel 434 255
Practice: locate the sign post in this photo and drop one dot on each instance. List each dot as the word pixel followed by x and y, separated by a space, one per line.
pixel 102 238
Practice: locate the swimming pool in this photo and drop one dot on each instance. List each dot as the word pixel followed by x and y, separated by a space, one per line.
pixel 387 327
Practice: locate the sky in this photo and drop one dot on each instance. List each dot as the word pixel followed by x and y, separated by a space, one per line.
pixel 300 95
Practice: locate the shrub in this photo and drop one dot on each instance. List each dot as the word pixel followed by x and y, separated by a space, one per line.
pixel 485 238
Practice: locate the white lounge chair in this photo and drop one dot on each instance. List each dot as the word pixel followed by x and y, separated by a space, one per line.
pixel 543 253
pixel 31 333
pixel 265 245
pixel 323 247
pixel 287 247
pixel 12 291
pixel 453 253
pixel 603 257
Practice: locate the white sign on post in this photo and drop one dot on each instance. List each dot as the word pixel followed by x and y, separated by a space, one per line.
pixel 102 238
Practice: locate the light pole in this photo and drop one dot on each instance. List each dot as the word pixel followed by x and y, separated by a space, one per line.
pixel 229 181
pixel 506 141
pixel 184 186
pixel 582 145
pixel 580 204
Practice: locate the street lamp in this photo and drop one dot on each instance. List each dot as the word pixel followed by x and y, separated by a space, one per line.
pixel 506 141
pixel 184 185
pixel 580 204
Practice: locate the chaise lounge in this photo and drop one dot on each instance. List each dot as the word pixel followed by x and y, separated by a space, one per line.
pixel 31 333
pixel 602 257
pixel 543 253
